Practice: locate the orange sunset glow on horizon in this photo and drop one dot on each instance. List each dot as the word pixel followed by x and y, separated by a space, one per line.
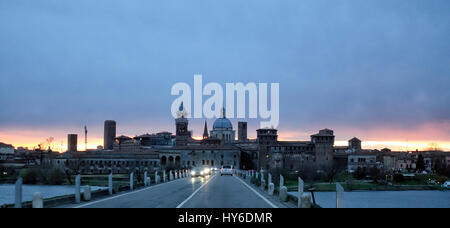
pixel 30 139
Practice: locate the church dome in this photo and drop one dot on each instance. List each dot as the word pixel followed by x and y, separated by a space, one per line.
pixel 222 123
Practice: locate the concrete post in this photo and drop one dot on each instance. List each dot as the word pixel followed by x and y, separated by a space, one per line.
pixel 156 177
pixel 271 188
pixel 77 188
pixel 262 177
pixel 283 193
pixel 18 196
pixel 145 179
pixel 300 191
pixel 87 193
pixel 164 176
pixel 281 181
pixel 170 175
pixel 110 184
pixel 176 174
pixel 270 178
pixel 305 200
pixel 38 200
pixel 339 196
pixel 131 181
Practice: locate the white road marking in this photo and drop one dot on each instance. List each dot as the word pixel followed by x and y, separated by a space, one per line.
pixel 193 194
pixel 257 193
pixel 125 194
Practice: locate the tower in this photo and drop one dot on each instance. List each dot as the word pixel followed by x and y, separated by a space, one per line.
pixel 72 142
pixel 266 138
pixel 324 142
pixel 354 144
pixel 181 124
pixel 109 134
pixel 242 131
pixel 205 131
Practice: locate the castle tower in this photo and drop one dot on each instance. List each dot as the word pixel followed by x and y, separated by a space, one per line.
pixel 266 138
pixel 109 134
pixel 354 144
pixel 72 142
pixel 324 142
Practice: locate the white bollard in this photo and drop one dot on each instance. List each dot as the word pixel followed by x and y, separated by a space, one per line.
pixel 87 193
pixel 131 181
pixel 77 188
pixel 145 179
pixel 156 177
pixel 271 188
pixel 339 196
pixel 281 181
pixel 283 194
pixel 110 184
pixel 305 200
pixel 300 191
pixel 164 176
pixel 18 195
pixel 38 201
pixel 270 178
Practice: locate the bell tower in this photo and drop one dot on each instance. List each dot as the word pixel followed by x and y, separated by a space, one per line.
pixel 183 135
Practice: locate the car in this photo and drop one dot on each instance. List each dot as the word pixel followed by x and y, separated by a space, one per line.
pixel 198 172
pixel 446 184
pixel 207 170
pixel 214 169
pixel 226 170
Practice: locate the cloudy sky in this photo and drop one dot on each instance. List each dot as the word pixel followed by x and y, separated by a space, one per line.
pixel 378 70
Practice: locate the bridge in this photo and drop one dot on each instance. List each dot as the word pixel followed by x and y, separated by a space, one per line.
pixel 180 190
pixel 192 192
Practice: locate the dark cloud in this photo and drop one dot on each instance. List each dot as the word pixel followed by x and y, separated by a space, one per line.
pixel 355 63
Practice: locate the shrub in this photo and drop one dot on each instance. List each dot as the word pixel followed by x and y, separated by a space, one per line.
pixel 56 176
pixel 29 176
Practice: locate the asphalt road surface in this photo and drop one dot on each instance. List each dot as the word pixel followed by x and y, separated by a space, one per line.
pixel 211 192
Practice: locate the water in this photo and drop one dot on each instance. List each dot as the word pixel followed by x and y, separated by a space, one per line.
pixel 7 191
pixel 385 199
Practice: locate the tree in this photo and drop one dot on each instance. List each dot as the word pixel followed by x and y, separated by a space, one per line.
pixel 420 165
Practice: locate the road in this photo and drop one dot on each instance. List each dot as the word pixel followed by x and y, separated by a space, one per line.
pixel 212 192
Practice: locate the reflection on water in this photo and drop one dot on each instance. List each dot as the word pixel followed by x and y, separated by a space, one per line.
pixel 386 199
pixel 7 191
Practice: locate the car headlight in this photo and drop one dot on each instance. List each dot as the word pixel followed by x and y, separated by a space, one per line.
pixel 206 170
pixel 201 173
pixel 193 173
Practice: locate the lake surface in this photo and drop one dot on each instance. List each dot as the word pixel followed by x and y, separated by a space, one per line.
pixel 385 199
pixel 7 191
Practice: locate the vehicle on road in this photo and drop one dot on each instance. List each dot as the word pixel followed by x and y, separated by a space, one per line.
pixel 226 170
pixel 198 172
pixel 201 171
pixel 206 170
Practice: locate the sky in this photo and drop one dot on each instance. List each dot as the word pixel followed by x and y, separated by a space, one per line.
pixel 377 69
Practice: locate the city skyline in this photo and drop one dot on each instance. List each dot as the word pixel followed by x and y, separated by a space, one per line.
pixel 95 137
